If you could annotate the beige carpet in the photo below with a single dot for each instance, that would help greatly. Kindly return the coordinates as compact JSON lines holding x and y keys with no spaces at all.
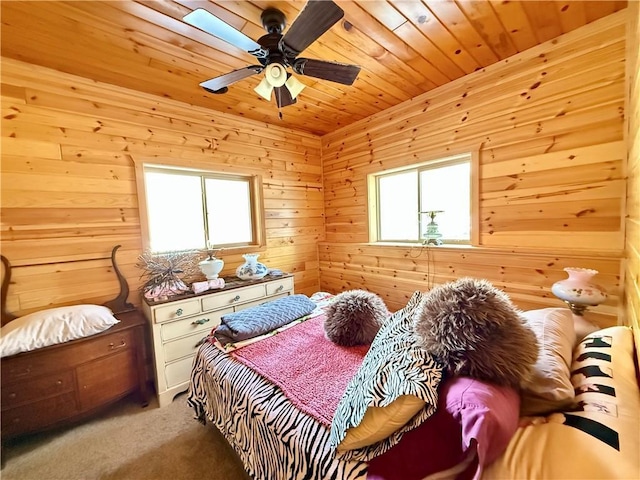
{"x":126,"y":442}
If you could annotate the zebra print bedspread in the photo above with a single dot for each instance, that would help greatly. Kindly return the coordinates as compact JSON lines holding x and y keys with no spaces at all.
{"x":274,"y":440}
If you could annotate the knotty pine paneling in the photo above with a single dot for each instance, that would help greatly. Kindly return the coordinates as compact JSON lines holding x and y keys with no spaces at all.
{"x":69,"y":192}
{"x":632,"y":264}
{"x":548,"y":124}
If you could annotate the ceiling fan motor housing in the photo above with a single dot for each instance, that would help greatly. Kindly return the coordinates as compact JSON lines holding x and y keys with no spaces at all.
{"x":270,"y":43}
{"x":273,"y":20}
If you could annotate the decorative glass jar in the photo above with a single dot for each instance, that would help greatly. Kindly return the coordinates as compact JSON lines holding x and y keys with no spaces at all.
{"x":578,"y":291}
{"x":251,"y":269}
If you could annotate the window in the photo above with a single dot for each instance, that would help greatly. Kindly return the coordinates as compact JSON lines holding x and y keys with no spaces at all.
{"x":425,"y":203}
{"x":192,"y":209}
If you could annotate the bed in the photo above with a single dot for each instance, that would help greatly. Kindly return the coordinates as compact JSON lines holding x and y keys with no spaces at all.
{"x":276,"y":399}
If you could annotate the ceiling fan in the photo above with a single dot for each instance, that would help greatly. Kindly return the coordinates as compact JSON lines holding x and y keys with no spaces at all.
{"x":277,"y":52}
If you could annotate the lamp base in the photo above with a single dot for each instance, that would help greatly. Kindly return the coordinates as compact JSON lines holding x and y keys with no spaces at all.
{"x":577,"y":309}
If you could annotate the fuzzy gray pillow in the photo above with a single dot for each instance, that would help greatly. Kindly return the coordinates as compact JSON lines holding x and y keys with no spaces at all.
{"x":474,"y":330}
{"x":354,"y":318}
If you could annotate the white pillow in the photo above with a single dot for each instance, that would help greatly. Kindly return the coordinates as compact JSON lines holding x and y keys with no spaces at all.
{"x":52,"y":326}
{"x":550,"y":387}
{"x":599,"y":437}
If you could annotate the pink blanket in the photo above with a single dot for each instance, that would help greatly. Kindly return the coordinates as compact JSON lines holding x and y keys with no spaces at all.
{"x":312,"y":371}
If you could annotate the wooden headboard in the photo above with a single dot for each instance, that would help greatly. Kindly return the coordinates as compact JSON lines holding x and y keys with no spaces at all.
{"x":117,"y":305}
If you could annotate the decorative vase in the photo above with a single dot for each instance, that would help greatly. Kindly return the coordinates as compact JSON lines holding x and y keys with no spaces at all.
{"x":578,"y":291}
{"x":211,"y":267}
{"x":251,"y":269}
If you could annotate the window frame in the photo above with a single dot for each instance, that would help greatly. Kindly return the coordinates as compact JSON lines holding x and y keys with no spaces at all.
{"x":373,"y":198}
{"x":255,"y":193}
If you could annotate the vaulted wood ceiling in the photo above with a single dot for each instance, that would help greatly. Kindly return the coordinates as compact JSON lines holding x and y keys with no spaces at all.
{"x":405,"y":48}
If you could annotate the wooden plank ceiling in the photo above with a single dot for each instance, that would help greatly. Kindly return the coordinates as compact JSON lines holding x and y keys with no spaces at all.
{"x":405,"y":48}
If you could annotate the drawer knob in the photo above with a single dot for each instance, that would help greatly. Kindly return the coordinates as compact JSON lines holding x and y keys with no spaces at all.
{"x":201,"y":321}
{"x":113,"y":346}
{"x":59,"y":382}
{"x":12,"y":395}
{"x":280,"y":288}
{"x":236,"y":298}
{"x":179,"y":312}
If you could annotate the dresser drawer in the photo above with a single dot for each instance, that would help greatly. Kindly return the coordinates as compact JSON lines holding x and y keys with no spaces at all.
{"x":178,"y":372}
{"x":176,"y":310}
{"x":279,"y":286}
{"x":26,"y":366}
{"x":37,"y":415}
{"x":103,"y":346}
{"x":50,"y":360}
{"x":107,"y":379}
{"x":200,"y":323}
{"x":37,"y":389}
{"x":233,"y":297}
{"x":182,"y":347}
{"x":259,"y":302}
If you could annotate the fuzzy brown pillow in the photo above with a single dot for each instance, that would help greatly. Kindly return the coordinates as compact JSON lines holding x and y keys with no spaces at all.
{"x":474,"y":330}
{"x":354,"y":318}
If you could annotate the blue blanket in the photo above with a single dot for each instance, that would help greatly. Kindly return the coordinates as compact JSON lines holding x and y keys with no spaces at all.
{"x":255,"y":321}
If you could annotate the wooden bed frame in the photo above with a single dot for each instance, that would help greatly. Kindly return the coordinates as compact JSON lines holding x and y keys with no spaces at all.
{"x":63,"y":383}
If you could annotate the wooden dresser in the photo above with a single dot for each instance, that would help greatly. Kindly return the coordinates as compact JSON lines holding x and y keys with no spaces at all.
{"x":55,"y":385}
{"x":179,"y":325}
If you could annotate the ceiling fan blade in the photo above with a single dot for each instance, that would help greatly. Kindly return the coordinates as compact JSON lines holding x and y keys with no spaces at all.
{"x":283,"y":96}
{"x":314,"y":19}
{"x":211,"y":24}
{"x":227,"y":79}
{"x":332,"y":71}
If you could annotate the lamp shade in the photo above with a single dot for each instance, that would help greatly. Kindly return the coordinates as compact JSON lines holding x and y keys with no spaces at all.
{"x":294,"y":86}
{"x":264,"y":89}
{"x":578,"y":291}
{"x":275,"y":74}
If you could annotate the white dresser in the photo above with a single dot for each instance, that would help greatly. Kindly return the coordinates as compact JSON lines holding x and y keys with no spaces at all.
{"x":179,"y":326}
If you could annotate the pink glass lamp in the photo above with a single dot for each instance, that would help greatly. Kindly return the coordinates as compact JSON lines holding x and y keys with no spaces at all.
{"x":577,"y":291}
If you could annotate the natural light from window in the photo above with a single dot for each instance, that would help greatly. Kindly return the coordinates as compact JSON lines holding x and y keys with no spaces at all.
{"x":237,"y":216}
{"x":173,"y":225}
{"x":398,"y":198}
{"x":190,"y":210}
{"x":405,"y":197}
{"x":447,"y":189}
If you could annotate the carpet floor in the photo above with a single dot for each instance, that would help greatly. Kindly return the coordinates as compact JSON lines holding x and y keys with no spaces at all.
{"x":126,"y":442}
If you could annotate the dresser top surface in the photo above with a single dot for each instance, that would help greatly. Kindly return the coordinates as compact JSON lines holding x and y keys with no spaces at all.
{"x":230,"y":283}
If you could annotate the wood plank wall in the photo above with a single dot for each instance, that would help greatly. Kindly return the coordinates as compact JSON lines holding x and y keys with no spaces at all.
{"x":632,"y":270}
{"x":69,"y":192}
{"x":548,"y":125}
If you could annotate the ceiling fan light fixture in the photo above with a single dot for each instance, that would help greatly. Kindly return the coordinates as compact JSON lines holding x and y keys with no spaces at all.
{"x":276,"y":74}
{"x":294,"y":86}
{"x":264,"y":89}
{"x":278,"y":51}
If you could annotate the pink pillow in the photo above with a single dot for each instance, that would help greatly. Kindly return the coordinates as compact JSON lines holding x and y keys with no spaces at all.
{"x":470,"y":412}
